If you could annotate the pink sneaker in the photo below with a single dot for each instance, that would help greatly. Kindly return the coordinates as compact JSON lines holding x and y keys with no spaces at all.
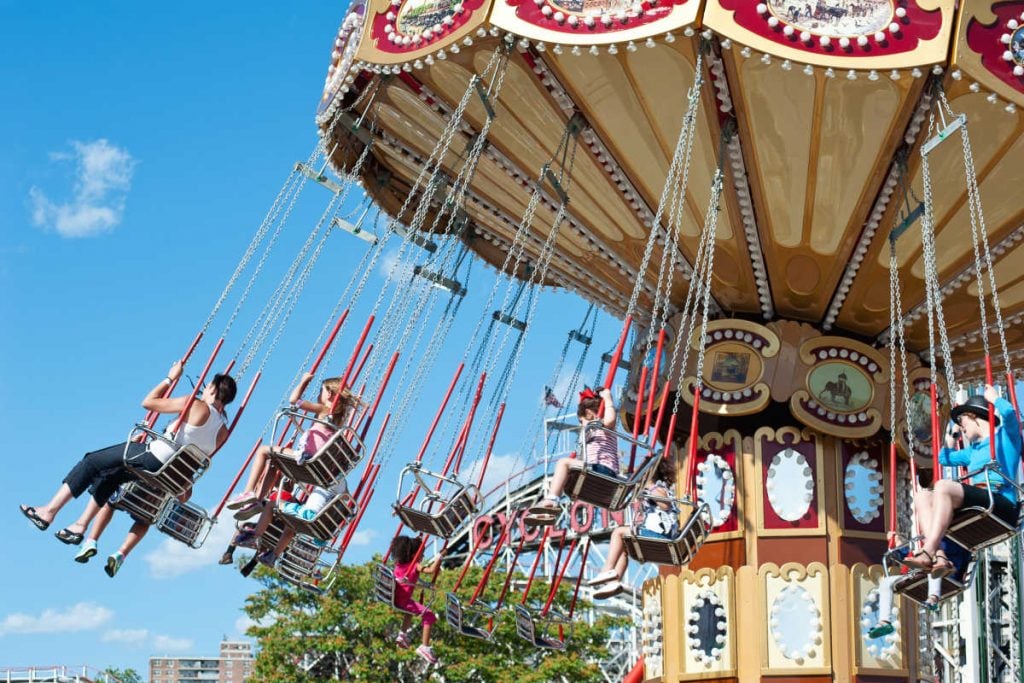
{"x":427,"y":653}
{"x":402,"y":640}
{"x":241,"y":500}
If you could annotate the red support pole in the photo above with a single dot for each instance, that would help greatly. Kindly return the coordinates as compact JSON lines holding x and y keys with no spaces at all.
{"x":1012,"y":390}
{"x":892,"y":488}
{"x":505,"y":532}
{"x":613,"y":367}
{"x":238,"y":477}
{"x":150,"y":418}
{"x":242,"y":405}
{"x":469,"y":420}
{"x":359,"y":368}
{"x":440,"y":411}
{"x":536,"y":561}
{"x":657,"y":424}
{"x":691,"y":464}
{"x":558,"y":579}
{"x":490,"y":446}
{"x":195,"y":390}
{"x":330,"y":341}
{"x":380,"y":393}
{"x":637,"y":415}
{"x":373,"y":453}
{"x":654,"y":382}
{"x":355,"y":353}
{"x":579,"y":580}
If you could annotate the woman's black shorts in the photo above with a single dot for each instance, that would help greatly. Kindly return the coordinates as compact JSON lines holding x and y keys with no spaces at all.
{"x":1002,"y":507}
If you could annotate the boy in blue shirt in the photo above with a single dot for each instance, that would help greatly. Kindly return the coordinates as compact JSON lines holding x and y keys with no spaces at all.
{"x":935,"y":508}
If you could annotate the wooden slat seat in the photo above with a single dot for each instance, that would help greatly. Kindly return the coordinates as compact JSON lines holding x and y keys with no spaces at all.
{"x":176,"y":476}
{"x":467,"y":619}
{"x":604,"y":491}
{"x":339,"y":455}
{"x":914,"y":585}
{"x":978,"y":527}
{"x":185,"y":522}
{"x":447,"y":506}
{"x":536,"y":629}
{"x":143,"y":502}
{"x":677,"y":551}
{"x":339,"y":509}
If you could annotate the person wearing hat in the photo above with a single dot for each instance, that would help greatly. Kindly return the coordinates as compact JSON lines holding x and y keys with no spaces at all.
{"x":935,"y":508}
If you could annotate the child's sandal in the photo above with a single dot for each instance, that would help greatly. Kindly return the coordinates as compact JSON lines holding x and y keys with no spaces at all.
{"x":918,"y":564}
{"x":941,"y":567}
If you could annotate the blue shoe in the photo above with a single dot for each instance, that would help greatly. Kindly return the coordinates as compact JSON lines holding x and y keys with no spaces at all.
{"x":882,"y":628}
{"x":114,"y":563}
{"x":87,"y":551}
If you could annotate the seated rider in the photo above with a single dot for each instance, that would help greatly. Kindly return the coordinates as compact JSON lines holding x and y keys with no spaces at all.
{"x":957,"y":555}
{"x":333,"y":406}
{"x":598,"y":448}
{"x":935,"y":508}
{"x":660,"y":520}
{"x":102,"y":472}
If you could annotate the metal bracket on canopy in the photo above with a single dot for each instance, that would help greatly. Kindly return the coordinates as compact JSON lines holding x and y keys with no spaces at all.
{"x":576,"y":335}
{"x":316,"y":177}
{"x":355,"y":128}
{"x":958,"y":123}
{"x":416,"y":239}
{"x":506,"y":319}
{"x":559,"y":190}
{"x":484,"y":97}
{"x":441,"y":281}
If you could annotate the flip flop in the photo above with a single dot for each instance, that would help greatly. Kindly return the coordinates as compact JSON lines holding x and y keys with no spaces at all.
{"x":917,"y":564}
{"x":69,"y":537}
{"x":30,"y":512}
{"x":541,"y":509}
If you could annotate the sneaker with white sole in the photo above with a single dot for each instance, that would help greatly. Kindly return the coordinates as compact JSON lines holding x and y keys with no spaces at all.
{"x":427,"y":653}
{"x":241,"y":500}
{"x":604,"y":577}
{"x":114,"y":563}
{"x":402,"y":640}
{"x":609,"y":590}
{"x":249,"y":511}
{"x":87,"y":551}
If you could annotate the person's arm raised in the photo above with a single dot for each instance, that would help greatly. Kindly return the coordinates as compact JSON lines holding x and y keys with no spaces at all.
{"x":155,"y":399}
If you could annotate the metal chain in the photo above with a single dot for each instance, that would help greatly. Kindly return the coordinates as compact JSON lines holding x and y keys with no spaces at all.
{"x":713,"y":210}
{"x":689,"y":119}
{"x":898,"y":329}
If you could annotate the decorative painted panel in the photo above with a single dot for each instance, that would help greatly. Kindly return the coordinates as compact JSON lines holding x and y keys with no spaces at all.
{"x":709,"y":616}
{"x":790,"y":482}
{"x":589,"y":22}
{"x":883,"y":655}
{"x":402,"y":30}
{"x":845,"y":388}
{"x":862,"y":488}
{"x":719,"y":482}
{"x":797,"y":633}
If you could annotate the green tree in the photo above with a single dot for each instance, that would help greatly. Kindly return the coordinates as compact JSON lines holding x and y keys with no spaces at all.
{"x":351,"y":636}
{"x":115,"y":675}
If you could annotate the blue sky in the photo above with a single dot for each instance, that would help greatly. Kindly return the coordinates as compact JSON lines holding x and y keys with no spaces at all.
{"x":142,"y":146}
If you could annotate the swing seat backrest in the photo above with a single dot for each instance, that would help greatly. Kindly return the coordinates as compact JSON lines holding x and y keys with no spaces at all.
{"x":676,"y":551}
{"x":527,"y":629}
{"x":270,"y":538}
{"x":176,"y":476}
{"x":603,"y":491}
{"x":185,"y":522}
{"x":445,"y":521}
{"x":458,"y":617}
{"x":338,"y":510}
{"x":339,"y":455}
{"x":143,"y":502}
{"x":300,"y":558}
{"x":385,"y":588}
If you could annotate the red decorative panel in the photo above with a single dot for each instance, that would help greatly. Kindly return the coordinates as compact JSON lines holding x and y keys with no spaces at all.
{"x":1001,"y":43}
{"x":722,"y":498}
{"x":862,"y":493}
{"x":592,"y":17}
{"x":808,"y":451}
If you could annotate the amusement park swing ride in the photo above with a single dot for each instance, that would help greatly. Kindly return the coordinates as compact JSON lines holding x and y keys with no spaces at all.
{"x":782,"y":201}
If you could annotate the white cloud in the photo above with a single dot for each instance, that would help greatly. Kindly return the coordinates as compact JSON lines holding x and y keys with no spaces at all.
{"x":83,"y":616}
{"x":167,"y":644}
{"x":126,"y":636}
{"x":243,"y":624}
{"x":500,"y":468}
{"x":362,"y":537}
{"x":393,"y":266}
{"x":171,"y":558}
{"x":103,"y":176}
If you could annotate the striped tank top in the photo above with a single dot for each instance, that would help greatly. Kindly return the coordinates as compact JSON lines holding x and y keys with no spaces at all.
{"x":601,"y":448}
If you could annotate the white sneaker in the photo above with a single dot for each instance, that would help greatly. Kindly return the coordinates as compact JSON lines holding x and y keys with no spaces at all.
{"x":87,"y":551}
{"x":427,"y":653}
{"x":604,"y":577}
{"x":609,"y":590}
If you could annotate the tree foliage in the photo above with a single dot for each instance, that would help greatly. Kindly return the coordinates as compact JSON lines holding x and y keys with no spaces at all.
{"x":347,"y":635}
{"x":122,"y":675}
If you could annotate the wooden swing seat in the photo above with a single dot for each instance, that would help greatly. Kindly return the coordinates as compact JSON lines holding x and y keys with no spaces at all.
{"x":456,"y":506}
{"x":914,"y":585}
{"x":143,"y":502}
{"x":604,"y":491}
{"x":339,"y":509}
{"x":533,"y":628}
{"x":676,"y":551}
{"x":977,"y":527}
{"x":385,"y":586}
{"x":176,"y":476}
{"x":460,"y":616}
{"x":339,"y":455}
{"x":185,"y":522}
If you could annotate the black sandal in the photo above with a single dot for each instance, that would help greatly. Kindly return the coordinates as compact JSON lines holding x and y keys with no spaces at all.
{"x":915,"y":564}
{"x":69,"y":537}
{"x":30,"y":512}
{"x":942,"y":566}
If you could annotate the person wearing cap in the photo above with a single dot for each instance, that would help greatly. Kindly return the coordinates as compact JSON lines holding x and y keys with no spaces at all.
{"x":102,"y":472}
{"x":935,"y":508}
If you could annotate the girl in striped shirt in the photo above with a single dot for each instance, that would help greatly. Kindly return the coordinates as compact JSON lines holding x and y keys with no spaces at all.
{"x":598,"y":450}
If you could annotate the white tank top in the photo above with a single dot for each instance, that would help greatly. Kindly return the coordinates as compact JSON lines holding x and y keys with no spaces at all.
{"x":204,"y":436}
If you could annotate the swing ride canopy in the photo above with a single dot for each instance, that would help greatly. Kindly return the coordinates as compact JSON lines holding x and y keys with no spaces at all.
{"x":818,"y":109}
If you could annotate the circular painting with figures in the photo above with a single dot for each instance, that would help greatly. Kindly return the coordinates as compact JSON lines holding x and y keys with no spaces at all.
{"x":840,"y":386}
{"x":834,"y":18}
{"x":1017,"y":46}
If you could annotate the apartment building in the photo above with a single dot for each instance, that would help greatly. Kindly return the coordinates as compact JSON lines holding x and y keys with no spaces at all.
{"x":234,"y":665}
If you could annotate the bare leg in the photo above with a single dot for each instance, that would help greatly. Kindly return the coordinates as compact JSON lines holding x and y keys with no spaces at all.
{"x":268,"y":483}
{"x":59,"y":500}
{"x":561,"y":475}
{"x":286,"y":537}
{"x":99,"y":524}
{"x":923,"y":508}
{"x":617,"y":552}
{"x":258,"y":468}
{"x":406,"y":622}
{"x":135,"y":534}
{"x":264,"y":520}
{"x":92,"y":508}
{"x":426,"y":633}
{"x":946,"y":496}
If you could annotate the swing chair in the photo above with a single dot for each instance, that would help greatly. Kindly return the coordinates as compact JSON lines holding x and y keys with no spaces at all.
{"x":603,"y":490}
{"x":680,"y":549}
{"x":301,"y":564}
{"x":973,"y":527}
{"x":543,"y":626}
{"x":385,"y":589}
{"x":186,"y":522}
{"x":914,"y":583}
{"x":177,"y":475}
{"x":456,"y":502}
{"x":325,"y":524}
{"x":142,"y":502}
{"x":474,"y":620}
{"x":334,"y":460}
{"x":540,"y":631}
